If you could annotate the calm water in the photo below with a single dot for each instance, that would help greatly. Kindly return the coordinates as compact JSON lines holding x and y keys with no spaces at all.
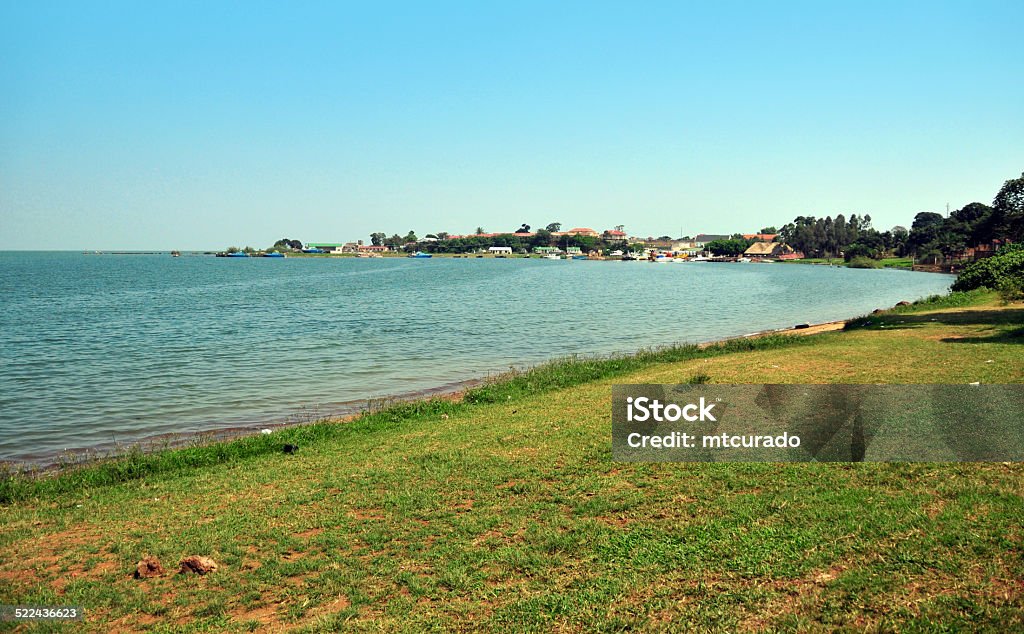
{"x":116,"y":348}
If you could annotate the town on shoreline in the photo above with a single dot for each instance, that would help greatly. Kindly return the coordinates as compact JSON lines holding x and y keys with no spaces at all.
{"x":933,"y":242}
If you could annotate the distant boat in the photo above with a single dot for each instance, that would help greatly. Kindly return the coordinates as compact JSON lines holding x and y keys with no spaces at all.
{"x":579,"y":257}
{"x":175,"y":254}
{"x":420,"y":254}
{"x":238,"y":254}
{"x":273,"y":254}
{"x":552,"y":256}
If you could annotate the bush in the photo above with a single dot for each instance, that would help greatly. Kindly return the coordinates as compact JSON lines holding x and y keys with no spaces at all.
{"x":1011,"y":289}
{"x":1006,"y":264}
{"x":864,"y":263}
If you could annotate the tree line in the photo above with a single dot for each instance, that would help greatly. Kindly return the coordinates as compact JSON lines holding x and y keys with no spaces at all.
{"x":443,"y":242}
{"x":930,"y":235}
{"x":975,"y":224}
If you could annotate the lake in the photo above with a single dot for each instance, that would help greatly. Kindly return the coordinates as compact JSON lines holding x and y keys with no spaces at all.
{"x":97,"y":350}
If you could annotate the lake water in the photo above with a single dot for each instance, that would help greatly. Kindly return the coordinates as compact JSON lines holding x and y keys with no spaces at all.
{"x":102,"y":349}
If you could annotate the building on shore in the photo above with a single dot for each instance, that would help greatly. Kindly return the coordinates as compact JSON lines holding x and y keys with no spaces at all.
{"x":327,"y":247}
{"x":772,"y":250}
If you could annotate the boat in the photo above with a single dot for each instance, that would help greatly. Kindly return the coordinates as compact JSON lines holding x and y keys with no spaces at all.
{"x":420,"y":254}
{"x":273,"y":254}
{"x":175,"y":254}
{"x":238,"y":254}
{"x":743,"y":260}
{"x":579,"y":257}
{"x":552,"y":256}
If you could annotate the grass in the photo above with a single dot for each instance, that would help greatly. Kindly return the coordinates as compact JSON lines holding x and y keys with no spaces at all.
{"x":506,"y":512}
{"x":888,"y":263}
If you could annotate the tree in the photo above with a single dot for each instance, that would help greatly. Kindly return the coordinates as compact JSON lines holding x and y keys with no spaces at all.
{"x":896,"y":240}
{"x":1008,"y":209}
{"x":769,"y":229}
{"x":287,"y":243}
{"x":377,"y":239}
{"x":731,"y":247}
{"x":442,"y":235}
{"x":541,"y":239}
{"x":524,"y":228}
{"x":554,"y":227}
{"x":479,"y":231}
{"x":924,"y":233}
{"x":411,"y":237}
{"x":972,"y":224}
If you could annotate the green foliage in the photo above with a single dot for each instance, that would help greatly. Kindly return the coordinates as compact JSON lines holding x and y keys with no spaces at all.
{"x":1007,"y":263}
{"x":862,"y":262}
{"x":826,"y":237}
{"x":1009,"y":209}
{"x":729,"y":248}
{"x":287,"y":244}
{"x":1011,"y":289}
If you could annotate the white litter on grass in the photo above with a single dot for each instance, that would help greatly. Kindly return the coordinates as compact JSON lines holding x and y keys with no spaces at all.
{"x":266,"y":431}
{"x":976,"y":383}
{"x":990,"y":361}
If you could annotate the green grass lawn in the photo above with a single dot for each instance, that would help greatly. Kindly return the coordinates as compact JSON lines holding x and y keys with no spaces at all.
{"x":505,"y":512}
{"x":894,"y":263}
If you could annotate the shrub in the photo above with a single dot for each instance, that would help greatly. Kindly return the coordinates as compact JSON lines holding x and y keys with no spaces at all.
{"x":1011,"y":289}
{"x":864,"y":263}
{"x":1007,"y":263}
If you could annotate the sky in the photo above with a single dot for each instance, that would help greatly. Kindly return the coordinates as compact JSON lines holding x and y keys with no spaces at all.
{"x":178,"y":125}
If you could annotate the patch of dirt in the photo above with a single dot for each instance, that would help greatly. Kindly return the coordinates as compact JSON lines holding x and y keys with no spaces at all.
{"x":463,"y":505}
{"x":617,"y":521}
{"x":307,"y":534}
{"x":265,"y":615}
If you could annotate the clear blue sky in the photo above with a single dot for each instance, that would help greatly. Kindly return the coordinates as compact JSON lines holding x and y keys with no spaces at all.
{"x":202,"y":125}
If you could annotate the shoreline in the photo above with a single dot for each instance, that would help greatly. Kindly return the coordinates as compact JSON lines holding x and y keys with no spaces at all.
{"x":44,"y":464}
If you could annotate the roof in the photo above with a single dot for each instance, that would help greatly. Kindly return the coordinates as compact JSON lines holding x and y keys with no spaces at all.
{"x":761,"y":248}
{"x":768,"y":248}
{"x":313,"y":245}
{"x":763,"y":237}
{"x":581,"y":230}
